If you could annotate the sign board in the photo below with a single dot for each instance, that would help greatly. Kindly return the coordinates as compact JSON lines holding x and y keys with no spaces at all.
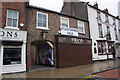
{"x":69,"y":31}
{"x":72,"y":40}
{"x":13,"y":35}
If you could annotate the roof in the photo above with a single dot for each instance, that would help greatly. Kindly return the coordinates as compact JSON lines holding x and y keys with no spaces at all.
{"x":39,"y":8}
{"x":103,"y":11}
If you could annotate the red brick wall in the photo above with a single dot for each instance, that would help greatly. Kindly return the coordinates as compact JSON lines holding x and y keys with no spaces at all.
{"x":19,"y":6}
{"x":53,"y":25}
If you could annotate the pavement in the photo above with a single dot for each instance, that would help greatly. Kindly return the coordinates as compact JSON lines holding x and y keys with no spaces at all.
{"x":79,"y":72}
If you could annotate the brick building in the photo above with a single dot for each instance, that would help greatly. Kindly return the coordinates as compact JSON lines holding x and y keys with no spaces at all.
{"x":32,"y":36}
{"x":104,"y":28}
{"x":56,"y":39}
{"x":13,"y":37}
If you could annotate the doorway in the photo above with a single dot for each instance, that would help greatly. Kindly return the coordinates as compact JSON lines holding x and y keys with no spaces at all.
{"x":45,"y":55}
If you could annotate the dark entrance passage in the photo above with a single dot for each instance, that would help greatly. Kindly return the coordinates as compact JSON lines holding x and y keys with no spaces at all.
{"x":45,"y":55}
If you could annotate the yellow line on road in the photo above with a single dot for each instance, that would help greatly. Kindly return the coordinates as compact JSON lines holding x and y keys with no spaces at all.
{"x":91,"y":76}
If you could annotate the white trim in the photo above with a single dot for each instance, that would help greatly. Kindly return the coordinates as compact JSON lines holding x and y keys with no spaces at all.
{"x":11,"y":27}
{"x":61,"y":21}
{"x":41,"y":27}
{"x":38,"y":27}
{"x":8,"y":27}
{"x":83,"y":27}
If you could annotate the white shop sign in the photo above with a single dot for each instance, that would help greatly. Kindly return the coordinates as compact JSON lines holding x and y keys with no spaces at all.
{"x":69,"y":31}
{"x":14,"y":35}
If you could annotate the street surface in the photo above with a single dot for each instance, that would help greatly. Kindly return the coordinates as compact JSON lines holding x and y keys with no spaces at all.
{"x":80,"y":71}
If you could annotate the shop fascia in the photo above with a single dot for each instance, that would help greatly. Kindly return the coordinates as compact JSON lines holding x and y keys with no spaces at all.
{"x":7,"y":34}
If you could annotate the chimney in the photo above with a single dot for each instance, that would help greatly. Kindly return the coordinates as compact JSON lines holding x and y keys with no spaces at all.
{"x":67,"y":7}
{"x":117,"y":17}
{"x":95,"y":5}
{"x":105,"y":10}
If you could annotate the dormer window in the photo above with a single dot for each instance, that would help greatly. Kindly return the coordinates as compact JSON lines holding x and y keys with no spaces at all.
{"x":12,"y":19}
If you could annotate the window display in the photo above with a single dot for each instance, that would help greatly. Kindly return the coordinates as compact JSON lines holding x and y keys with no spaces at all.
{"x":12,"y":55}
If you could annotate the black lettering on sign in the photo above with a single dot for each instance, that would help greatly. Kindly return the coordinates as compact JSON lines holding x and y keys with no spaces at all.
{"x":9,"y":34}
{"x":15,"y":34}
{"x":2,"y":33}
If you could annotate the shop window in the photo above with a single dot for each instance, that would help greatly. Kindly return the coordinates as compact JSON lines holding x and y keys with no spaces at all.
{"x":100,"y":30}
{"x":110,"y":48}
{"x":42,"y":20}
{"x":12,"y":55}
{"x":64,"y":22}
{"x":101,"y":48}
{"x":12,"y":18}
{"x":81,"y":27}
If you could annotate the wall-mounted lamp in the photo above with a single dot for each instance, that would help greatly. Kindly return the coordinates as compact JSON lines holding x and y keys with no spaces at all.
{"x":21,"y":24}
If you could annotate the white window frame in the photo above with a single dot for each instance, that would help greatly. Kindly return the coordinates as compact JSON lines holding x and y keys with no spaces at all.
{"x":100,"y":30}
{"x":11,"y":27}
{"x":98,"y":15}
{"x":83,"y":27}
{"x":41,"y":27}
{"x":61,"y":21}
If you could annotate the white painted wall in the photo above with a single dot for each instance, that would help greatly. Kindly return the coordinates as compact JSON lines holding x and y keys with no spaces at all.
{"x":118,"y":50}
{"x":92,"y":14}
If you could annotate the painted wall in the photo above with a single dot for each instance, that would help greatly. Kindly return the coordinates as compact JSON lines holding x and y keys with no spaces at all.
{"x":92,"y":13}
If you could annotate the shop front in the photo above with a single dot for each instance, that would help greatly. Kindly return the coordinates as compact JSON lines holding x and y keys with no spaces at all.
{"x":72,"y":51}
{"x":106,"y":50}
{"x":13,"y":50}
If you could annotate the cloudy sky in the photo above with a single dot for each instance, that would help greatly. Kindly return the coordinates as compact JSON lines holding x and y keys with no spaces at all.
{"x":56,"y":5}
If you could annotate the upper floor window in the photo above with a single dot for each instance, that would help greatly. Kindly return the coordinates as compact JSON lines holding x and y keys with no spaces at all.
{"x":12,"y":18}
{"x":115,"y":30}
{"x":98,"y":15}
{"x":108,"y":35}
{"x":114,"y":21}
{"x":42,"y":20}
{"x":81,"y":28}
{"x":64,"y":22}
{"x":106,"y":19}
{"x":100,"y":30}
